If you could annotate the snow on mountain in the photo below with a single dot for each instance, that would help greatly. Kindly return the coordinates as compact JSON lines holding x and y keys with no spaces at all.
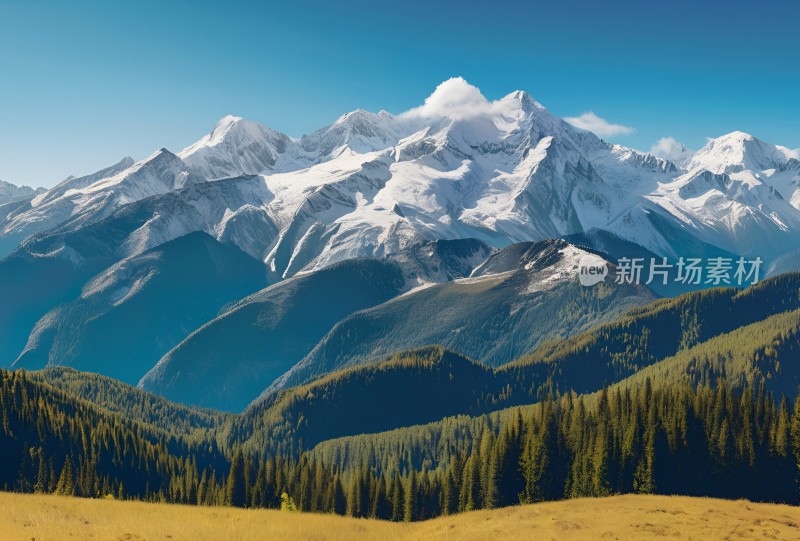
{"x":10,"y":192}
{"x":381,"y":191}
{"x":78,"y":202}
{"x":359,"y":131}
{"x":458,"y":166}
{"x":739,"y":151}
{"x":739,"y":193}
{"x":753,"y":162}
{"x":77,"y":183}
{"x":235,"y":147}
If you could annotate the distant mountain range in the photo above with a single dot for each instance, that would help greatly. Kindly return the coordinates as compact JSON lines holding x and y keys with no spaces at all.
{"x":250,"y":261}
{"x":9,"y":193}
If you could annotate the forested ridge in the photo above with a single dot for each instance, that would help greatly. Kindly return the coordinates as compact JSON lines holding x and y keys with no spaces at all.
{"x":644,"y":438}
{"x":765,"y":353}
{"x":444,"y":383}
{"x":430,"y":432}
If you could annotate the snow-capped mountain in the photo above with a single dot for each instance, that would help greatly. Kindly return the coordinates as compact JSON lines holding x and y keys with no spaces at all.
{"x":78,"y":202}
{"x":740,"y":194}
{"x":748,"y":160}
{"x":10,"y":192}
{"x":739,"y":151}
{"x":459,"y":166}
{"x":406,"y":204}
{"x":235,"y":147}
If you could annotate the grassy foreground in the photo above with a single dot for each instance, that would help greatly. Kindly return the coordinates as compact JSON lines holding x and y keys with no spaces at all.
{"x":41,"y":518}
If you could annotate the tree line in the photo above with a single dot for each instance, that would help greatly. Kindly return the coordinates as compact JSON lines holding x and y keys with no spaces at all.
{"x":670,"y":439}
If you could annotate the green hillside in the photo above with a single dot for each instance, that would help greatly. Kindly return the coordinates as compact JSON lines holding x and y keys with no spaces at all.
{"x":646,"y":335}
{"x":763,"y":357}
{"x":131,"y":403}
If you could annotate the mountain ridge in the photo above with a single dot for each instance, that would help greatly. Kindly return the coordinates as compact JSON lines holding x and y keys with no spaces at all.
{"x":504,"y":171}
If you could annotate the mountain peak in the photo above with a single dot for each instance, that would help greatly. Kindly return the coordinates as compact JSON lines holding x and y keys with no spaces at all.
{"x":160,"y":154}
{"x":11,"y":192}
{"x":738,"y":151}
{"x":228,"y":119}
{"x":736,"y":136}
{"x":235,"y":126}
{"x":361,"y":130}
{"x":221,"y":129}
{"x":234,"y":147}
{"x":360,"y":119}
{"x":525,"y":100}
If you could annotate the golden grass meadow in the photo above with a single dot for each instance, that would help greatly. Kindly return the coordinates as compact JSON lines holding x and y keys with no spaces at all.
{"x":630,"y":517}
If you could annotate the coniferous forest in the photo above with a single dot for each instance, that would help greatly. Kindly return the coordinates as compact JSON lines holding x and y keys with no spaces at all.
{"x":677,"y":398}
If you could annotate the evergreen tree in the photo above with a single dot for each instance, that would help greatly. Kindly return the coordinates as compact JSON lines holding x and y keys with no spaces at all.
{"x":411,"y":498}
{"x":398,"y":499}
{"x":65,"y":485}
{"x":42,"y":481}
{"x":339,"y":502}
{"x":236,"y":491}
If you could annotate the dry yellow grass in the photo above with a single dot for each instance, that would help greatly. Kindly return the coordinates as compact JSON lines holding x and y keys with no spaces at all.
{"x":42,"y":518}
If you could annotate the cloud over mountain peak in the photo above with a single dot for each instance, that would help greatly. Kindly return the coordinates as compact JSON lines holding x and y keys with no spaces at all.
{"x":454,"y":98}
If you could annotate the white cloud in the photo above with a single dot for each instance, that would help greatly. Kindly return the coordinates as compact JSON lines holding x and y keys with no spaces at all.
{"x":666,"y":146}
{"x":457,"y":99}
{"x":673,"y":150}
{"x":454,"y":98}
{"x":597,"y":125}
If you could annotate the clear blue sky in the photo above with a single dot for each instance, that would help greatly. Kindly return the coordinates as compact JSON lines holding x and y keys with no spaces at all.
{"x":83,"y":84}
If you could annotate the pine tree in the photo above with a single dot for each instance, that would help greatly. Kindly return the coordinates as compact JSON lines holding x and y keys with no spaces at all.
{"x":41,"y":476}
{"x":236,"y":492}
{"x":449,"y":494}
{"x":490,"y":494}
{"x":412,"y":496}
{"x":470,"y":494}
{"x":782,"y":435}
{"x":381,"y":507}
{"x":353,"y":495}
{"x":534,"y":462}
{"x":339,"y":503}
{"x":258,"y":493}
{"x":66,"y":485}
{"x":398,"y":498}
{"x":644,"y":480}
